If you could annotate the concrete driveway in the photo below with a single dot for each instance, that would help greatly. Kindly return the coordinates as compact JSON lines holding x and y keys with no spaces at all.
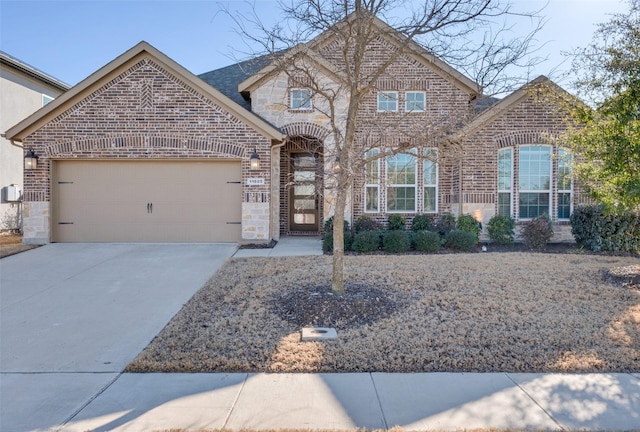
{"x":74,"y":315}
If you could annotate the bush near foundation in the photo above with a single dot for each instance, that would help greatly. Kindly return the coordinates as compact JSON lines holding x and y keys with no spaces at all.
{"x":366,"y":241}
{"x":423,"y":222}
{"x":396,"y":241}
{"x":595,"y":228}
{"x":460,"y":240}
{"x":537,"y":232}
{"x":501,"y":229}
{"x":446,"y":223}
{"x":427,"y":241}
{"x":468,"y":223}
{"x":397,"y":222}
{"x":366,"y":223}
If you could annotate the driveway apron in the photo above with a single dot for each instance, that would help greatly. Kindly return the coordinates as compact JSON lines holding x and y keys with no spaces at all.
{"x":78,"y":313}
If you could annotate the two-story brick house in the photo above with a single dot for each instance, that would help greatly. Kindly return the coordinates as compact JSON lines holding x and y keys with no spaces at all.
{"x":143,"y":150}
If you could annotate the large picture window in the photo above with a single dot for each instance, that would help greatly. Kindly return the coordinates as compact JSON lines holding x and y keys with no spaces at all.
{"x":430,"y":180}
{"x":534,"y":181}
{"x":372,"y":182}
{"x":401,"y":183}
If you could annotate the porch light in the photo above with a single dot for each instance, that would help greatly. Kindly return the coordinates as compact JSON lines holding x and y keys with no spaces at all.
{"x":30,"y":160}
{"x":254,"y":160}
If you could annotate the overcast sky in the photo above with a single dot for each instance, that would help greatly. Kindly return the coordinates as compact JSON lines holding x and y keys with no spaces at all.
{"x":72,"y":39}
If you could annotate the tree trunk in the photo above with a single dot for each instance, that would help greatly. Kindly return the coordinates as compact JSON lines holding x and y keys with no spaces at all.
{"x":337,"y":279}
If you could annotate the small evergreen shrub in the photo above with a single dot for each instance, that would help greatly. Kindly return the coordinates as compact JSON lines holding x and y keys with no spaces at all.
{"x":427,"y":241}
{"x":501,"y":229}
{"x":446,"y":223}
{"x":593,"y":227}
{"x":468,"y":223}
{"x":460,"y":240}
{"x":397,"y":222}
{"x":422,"y":222}
{"x":537,"y":232}
{"x":396,"y":241}
{"x":366,"y":223}
{"x":366,"y":241}
{"x":328,"y":225}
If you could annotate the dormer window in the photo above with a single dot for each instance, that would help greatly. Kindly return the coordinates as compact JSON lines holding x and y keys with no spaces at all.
{"x":300,"y":99}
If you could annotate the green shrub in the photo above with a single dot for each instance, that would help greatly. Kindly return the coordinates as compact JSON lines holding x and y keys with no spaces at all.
{"x":460,"y":240}
{"x":327,"y":237}
{"x":396,"y":241}
{"x":501,"y":229}
{"x":537,"y":232}
{"x":422,"y":222}
{"x":397,"y":222}
{"x":468,"y":223}
{"x":427,"y":241}
{"x":446,"y":223}
{"x":366,"y":241}
{"x":366,"y":223}
{"x":596,"y":229}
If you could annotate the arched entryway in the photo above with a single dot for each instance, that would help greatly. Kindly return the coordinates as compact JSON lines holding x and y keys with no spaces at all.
{"x":301,"y":186}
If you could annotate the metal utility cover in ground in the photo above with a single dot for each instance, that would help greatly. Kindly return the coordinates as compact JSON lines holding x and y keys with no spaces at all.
{"x":318,"y":334}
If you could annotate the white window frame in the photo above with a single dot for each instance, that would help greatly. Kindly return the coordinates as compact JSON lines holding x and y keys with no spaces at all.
{"x":386,"y":97}
{"x":511,"y":180}
{"x":406,"y":102}
{"x":551,"y":179}
{"x":564,"y":153}
{"x":368,"y":154}
{"x":305,"y":107}
{"x":425,"y":185}
{"x":402,"y":185}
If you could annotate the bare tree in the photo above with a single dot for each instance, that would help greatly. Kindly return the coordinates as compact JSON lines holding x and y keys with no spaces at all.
{"x":461,"y":32}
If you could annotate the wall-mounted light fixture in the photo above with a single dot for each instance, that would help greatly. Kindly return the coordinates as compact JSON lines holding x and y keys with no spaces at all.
{"x":30,"y":160}
{"x":254,"y":160}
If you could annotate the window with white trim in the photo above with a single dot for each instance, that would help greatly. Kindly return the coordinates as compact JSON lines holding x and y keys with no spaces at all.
{"x":430,"y":180}
{"x":415,"y":101}
{"x":388,"y":101}
{"x":372,"y":182}
{"x":534,"y":181}
{"x":300,"y":99}
{"x":401,"y":183}
{"x":505,"y":181}
{"x":565,"y":184}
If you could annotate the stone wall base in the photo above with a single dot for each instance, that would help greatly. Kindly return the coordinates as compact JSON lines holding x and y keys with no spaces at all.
{"x":255,"y":222}
{"x":36,"y":223}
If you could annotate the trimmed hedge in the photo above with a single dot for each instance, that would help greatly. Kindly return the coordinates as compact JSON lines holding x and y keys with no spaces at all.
{"x":537,"y":232}
{"x":446,"y":223}
{"x":460,"y":240}
{"x":397,"y":222}
{"x":427,"y":241}
{"x":396,"y":241}
{"x":327,"y":237}
{"x":366,"y":241}
{"x":501,"y":229}
{"x":366,"y":223}
{"x":468,"y":223}
{"x":598,"y":230}
{"x":423,"y":222}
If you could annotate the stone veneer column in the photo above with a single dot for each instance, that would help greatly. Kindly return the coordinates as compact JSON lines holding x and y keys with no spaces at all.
{"x":255,"y":222}
{"x":36,"y":222}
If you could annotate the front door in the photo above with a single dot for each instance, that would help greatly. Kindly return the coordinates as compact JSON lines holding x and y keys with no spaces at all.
{"x":303,"y":195}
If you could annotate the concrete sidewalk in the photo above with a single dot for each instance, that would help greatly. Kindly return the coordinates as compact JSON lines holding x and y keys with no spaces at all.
{"x":423,"y":401}
{"x":286,"y":246}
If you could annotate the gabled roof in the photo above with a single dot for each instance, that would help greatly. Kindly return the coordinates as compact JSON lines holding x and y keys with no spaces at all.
{"x":121,"y":64}
{"x":428,"y":59}
{"x":33,"y":72}
{"x":505,"y":104}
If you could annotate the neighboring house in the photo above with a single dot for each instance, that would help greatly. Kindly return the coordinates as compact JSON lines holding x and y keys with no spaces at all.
{"x":23,"y":90}
{"x":143,"y":150}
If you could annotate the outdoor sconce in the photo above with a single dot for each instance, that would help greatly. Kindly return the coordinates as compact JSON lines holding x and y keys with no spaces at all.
{"x":254,"y":160}
{"x":30,"y":160}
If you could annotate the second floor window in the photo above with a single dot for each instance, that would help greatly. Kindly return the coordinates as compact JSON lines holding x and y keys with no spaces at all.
{"x":301,"y":99}
{"x":415,"y":101}
{"x":388,"y":101}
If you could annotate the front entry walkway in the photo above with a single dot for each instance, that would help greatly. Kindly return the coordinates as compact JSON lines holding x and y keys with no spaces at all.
{"x":287,"y":246}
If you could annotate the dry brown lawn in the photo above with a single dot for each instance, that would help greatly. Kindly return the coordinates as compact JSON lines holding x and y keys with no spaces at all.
{"x":513,"y":311}
{"x":11,"y":244}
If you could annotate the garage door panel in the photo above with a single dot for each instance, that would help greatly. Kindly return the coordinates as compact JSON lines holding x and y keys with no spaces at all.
{"x":161,"y":201}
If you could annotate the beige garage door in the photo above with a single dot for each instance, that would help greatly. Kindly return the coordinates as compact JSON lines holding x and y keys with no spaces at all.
{"x":163,"y":201}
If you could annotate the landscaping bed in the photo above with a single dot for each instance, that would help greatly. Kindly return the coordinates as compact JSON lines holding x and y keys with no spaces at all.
{"x":480,"y":312}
